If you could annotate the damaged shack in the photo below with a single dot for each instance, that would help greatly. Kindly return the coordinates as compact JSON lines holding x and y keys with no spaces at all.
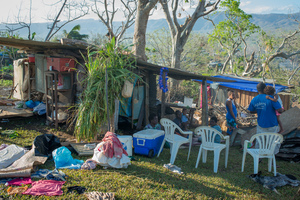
{"x":52,"y":74}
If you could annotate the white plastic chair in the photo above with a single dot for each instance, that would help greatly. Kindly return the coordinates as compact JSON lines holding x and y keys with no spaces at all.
{"x":175,"y":140}
{"x":208,"y":135}
{"x":267,"y":143}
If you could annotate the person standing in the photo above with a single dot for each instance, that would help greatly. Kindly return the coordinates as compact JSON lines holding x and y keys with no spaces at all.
{"x":231,"y":112}
{"x":265,"y":109}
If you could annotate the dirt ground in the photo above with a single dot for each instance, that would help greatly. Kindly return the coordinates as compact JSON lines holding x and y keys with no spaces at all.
{"x":38,"y":123}
{"x":4,"y":92}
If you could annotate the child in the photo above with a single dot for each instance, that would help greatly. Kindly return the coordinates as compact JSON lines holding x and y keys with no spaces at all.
{"x":271,"y":95}
{"x":231,"y":112}
{"x":153,"y":119}
{"x":184,"y":119}
{"x":213,"y":123}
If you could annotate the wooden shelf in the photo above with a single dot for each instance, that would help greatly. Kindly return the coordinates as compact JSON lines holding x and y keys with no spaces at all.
{"x":53,"y":94}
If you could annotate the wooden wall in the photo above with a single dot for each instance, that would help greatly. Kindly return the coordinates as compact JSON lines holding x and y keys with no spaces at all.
{"x":244,"y":97}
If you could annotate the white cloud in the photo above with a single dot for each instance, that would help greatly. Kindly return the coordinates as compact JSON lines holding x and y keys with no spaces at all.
{"x":259,"y":10}
{"x":245,"y":3}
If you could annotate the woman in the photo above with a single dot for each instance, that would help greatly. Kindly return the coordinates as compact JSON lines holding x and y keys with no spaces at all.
{"x":231,"y":112}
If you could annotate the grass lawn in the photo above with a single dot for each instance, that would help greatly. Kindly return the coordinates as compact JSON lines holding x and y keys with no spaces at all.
{"x":146,"y":178}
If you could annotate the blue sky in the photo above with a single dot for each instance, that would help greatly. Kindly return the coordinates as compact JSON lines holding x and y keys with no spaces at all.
{"x":9,"y":9}
{"x":270,"y":6}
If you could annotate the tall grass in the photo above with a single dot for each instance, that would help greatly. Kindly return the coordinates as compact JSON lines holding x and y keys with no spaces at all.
{"x":92,"y":110}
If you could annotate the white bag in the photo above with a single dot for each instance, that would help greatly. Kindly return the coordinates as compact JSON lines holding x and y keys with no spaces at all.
{"x":127,"y":89}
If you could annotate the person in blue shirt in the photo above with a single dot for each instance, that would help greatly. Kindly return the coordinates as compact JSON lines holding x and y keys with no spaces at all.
{"x":265,"y":109}
{"x":184,"y":119}
{"x":231,"y":112}
{"x":213,"y":123}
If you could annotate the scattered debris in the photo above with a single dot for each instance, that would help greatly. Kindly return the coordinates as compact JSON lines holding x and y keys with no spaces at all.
{"x":276,"y":181}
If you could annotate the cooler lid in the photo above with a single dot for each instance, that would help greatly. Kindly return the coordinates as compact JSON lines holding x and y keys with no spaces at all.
{"x":149,"y":134}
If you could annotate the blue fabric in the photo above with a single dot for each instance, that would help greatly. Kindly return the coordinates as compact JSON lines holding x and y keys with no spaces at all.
{"x":218,"y":137}
{"x":184,"y":118}
{"x":241,"y":84}
{"x":228,"y":115}
{"x":265,"y":108}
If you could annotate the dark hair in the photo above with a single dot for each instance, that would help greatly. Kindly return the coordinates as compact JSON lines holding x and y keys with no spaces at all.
{"x":176,"y":112}
{"x":260,"y":87}
{"x":215,"y":119}
{"x":269,"y":90}
{"x":229,"y":92}
{"x":183,"y":109}
{"x":152,"y":116}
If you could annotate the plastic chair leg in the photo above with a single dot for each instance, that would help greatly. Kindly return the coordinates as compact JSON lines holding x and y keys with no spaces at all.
{"x":161,"y":147}
{"x":174,"y":153}
{"x":190,"y":146}
{"x":199,"y":155}
{"x":269,"y":164}
{"x":226,"y":156}
{"x":244,"y":158}
{"x":256,"y":161}
{"x":204,"y":158}
{"x":216,"y":160}
{"x":274,"y":166}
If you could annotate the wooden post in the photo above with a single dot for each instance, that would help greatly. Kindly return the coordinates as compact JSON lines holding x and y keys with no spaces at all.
{"x":147,"y":98}
{"x":163,"y":96}
{"x":204,"y":104}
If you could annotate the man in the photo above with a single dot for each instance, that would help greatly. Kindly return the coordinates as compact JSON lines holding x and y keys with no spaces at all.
{"x":265,"y":109}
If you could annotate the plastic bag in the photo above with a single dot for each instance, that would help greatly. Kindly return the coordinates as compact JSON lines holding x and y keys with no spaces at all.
{"x":63,"y":159}
{"x":20,"y":105}
{"x":40,"y":109}
{"x":127,"y":89}
{"x":32,"y":104}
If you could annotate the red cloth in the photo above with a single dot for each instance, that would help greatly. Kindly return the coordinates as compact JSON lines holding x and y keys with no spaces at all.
{"x":112,"y":146}
{"x":20,"y":181}
{"x":45,"y":187}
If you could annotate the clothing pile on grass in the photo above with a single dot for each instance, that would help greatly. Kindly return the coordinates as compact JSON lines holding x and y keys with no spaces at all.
{"x":17,"y":165}
{"x":110,"y":152}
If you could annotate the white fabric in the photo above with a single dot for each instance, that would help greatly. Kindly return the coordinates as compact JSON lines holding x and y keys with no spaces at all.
{"x":114,"y":162}
{"x":10,"y":154}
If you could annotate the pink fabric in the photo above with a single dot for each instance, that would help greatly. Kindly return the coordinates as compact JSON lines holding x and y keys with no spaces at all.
{"x":277,"y":113}
{"x":20,"y":181}
{"x":112,"y":146}
{"x":45,"y":187}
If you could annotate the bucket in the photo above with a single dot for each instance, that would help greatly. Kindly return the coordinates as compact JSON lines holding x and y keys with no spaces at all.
{"x":126,"y":141}
{"x":31,"y":58}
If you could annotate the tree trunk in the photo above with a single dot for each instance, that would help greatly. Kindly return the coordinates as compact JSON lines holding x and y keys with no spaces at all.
{"x":225,"y":64}
{"x":140,"y":27}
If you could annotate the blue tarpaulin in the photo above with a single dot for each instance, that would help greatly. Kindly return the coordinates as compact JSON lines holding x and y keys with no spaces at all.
{"x":242,"y":84}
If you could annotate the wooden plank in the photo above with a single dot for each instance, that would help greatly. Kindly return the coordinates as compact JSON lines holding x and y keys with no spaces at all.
{"x":147,"y":98}
{"x":82,"y":150}
{"x":204,"y":104}
{"x":163,"y":96}
{"x":9,"y":111}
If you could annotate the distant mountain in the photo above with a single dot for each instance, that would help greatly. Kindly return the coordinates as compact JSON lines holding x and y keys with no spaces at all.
{"x":269,"y":23}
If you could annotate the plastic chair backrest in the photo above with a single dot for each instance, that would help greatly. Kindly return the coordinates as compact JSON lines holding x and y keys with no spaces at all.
{"x":208,"y":135}
{"x":267,"y":142}
{"x":169,"y":127}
